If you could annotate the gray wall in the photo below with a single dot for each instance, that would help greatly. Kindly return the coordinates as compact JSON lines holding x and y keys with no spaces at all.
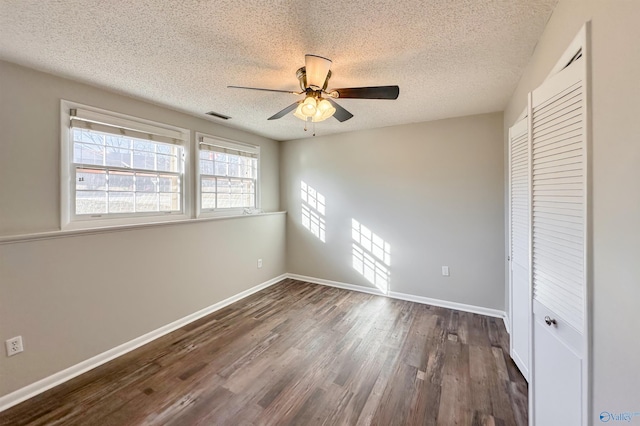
{"x":616,"y":184}
{"x":74,"y":297}
{"x":433,"y":191}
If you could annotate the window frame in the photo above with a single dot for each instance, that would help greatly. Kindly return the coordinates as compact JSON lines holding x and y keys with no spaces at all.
{"x":233,"y":145}
{"x":69,"y":219}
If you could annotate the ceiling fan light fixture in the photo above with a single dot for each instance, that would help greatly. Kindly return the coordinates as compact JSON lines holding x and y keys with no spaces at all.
{"x":314,"y":78}
{"x":309,"y":107}
{"x":298,"y":112}
{"x":324,"y":105}
{"x":316,"y":68}
{"x":324,"y":111}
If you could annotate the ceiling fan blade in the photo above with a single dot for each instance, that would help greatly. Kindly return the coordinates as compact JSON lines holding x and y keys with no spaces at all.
{"x":284,"y":112}
{"x":264,"y":90}
{"x":377,"y":92}
{"x":341,"y":114}
{"x":317,"y":69}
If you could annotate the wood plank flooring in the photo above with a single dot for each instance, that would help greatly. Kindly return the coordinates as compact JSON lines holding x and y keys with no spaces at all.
{"x":302,"y":354}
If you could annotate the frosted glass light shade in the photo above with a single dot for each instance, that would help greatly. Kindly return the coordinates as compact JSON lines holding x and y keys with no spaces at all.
{"x":324,"y":111}
{"x":298,"y":112}
{"x":309,"y":107}
{"x":316,"y":68}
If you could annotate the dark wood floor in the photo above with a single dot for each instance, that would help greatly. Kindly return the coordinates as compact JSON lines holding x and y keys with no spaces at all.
{"x":303,"y":354}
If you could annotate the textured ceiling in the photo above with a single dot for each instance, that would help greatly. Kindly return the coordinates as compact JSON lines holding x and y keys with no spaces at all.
{"x":449,"y":57}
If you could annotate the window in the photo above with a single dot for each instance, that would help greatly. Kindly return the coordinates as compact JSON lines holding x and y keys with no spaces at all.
{"x":121,"y":171}
{"x":228,"y":176}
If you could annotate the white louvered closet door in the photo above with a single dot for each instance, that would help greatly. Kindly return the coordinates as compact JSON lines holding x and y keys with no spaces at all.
{"x":559,"y":201}
{"x":519,"y":227}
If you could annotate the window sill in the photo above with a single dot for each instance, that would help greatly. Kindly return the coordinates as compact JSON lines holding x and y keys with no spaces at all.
{"x":89,"y":231}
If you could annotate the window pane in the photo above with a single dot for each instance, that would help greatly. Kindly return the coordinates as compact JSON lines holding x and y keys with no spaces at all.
{"x":248,"y":200}
{"x":118,"y":157}
{"x":81,"y":135}
{"x":248,"y":186}
{"x":234,"y":170}
{"x":252,"y":167}
{"x":245,"y":162}
{"x":140,"y":145}
{"x":121,"y":202}
{"x":224,"y":185}
{"x":224,"y":201}
{"x":117,"y":142}
{"x":91,"y":202}
{"x":234,"y":165}
{"x":144,"y":160}
{"x":167,"y":163}
{"x":146,"y":182}
{"x":88,"y":154}
{"x":208,"y":201}
{"x":206,"y":155}
{"x":221,"y":169}
{"x":146,"y":202}
{"x":91,"y":180}
{"x":244,"y":171}
{"x":169,"y":202}
{"x":120,"y":181}
{"x":165,"y":149}
{"x":208,"y":184}
{"x":169,"y":183}
{"x":206,"y":167}
{"x":236,"y":200}
{"x":235,"y":186}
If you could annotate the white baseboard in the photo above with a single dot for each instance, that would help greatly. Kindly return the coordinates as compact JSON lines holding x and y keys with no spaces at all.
{"x":337,"y":284}
{"x":47,"y":383}
{"x":403,"y":296}
{"x":60,"y":377}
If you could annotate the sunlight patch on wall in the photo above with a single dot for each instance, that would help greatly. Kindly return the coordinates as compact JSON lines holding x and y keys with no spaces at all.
{"x":371,"y":256}
{"x":313,"y":210}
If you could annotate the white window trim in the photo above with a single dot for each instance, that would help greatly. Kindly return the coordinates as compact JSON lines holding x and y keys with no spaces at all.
{"x":231,"y":144}
{"x":68,"y":219}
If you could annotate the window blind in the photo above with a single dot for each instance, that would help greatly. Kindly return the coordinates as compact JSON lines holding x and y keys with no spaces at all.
{"x":227,"y":147}
{"x":92,"y":120}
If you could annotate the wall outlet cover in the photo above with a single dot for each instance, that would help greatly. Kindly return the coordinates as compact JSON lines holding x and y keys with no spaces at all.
{"x":14,"y":345}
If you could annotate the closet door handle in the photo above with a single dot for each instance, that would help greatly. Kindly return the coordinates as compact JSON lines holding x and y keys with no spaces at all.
{"x":550,"y":321}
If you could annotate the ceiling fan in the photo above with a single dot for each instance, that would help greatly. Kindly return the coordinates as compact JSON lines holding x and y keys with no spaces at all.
{"x":313,"y":78}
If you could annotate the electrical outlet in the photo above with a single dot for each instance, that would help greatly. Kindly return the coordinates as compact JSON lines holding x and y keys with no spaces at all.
{"x":14,"y":345}
{"x":259,"y":263}
{"x":445,"y":271}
